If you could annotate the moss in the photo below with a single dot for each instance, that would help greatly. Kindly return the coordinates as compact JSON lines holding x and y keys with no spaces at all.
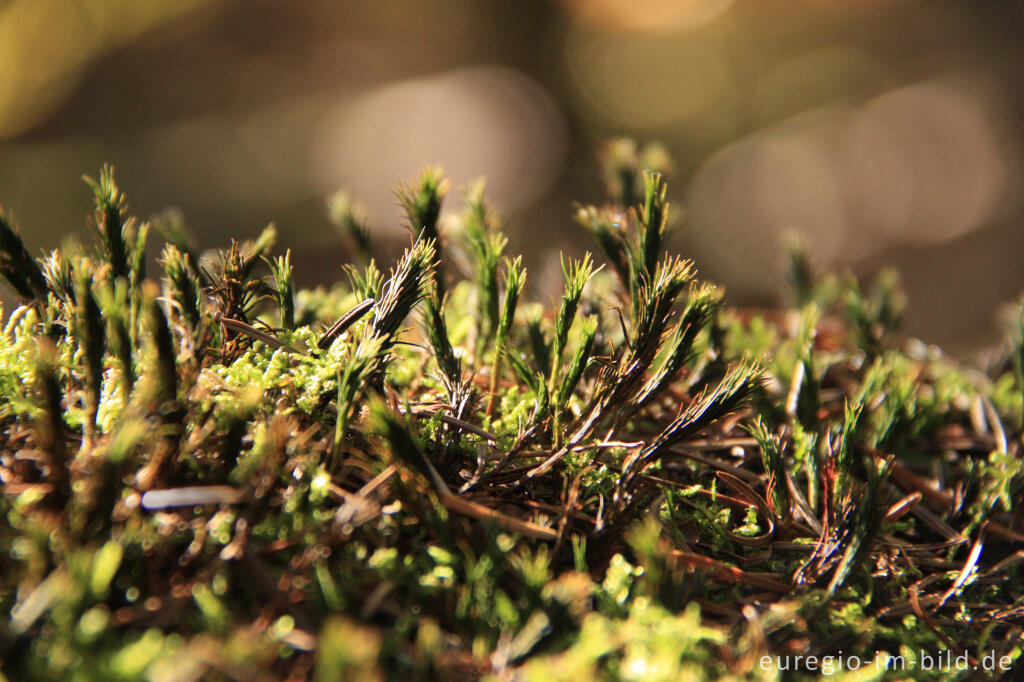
{"x":418,"y":476}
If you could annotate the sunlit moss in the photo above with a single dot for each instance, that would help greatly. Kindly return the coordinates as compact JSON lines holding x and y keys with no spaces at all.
{"x":529,"y":491}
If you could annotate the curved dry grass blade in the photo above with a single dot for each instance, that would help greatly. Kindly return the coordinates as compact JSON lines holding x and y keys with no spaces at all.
{"x":724,"y":572}
{"x":546,"y":465}
{"x":266,"y":337}
{"x":452,"y":421}
{"x":897,"y":510}
{"x":751,"y":497}
{"x":996,"y":423}
{"x":716,"y":465}
{"x":915,"y":602}
{"x":483,"y":513}
{"x":967,"y":571}
{"x":344,"y":322}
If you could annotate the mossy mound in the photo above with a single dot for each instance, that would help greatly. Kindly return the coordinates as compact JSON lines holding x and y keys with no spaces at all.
{"x":420,"y":476}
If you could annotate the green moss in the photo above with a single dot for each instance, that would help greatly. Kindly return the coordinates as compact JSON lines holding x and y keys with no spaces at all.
{"x":411,"y":476}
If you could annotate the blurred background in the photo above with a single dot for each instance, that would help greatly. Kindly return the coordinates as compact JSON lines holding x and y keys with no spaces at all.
{"x":885,"y":131}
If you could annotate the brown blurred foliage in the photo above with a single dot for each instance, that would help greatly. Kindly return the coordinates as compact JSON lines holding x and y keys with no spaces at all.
{"x":885,"y":131}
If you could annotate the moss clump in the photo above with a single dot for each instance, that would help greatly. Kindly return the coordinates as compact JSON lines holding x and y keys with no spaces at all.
{"x":417,"y":476}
